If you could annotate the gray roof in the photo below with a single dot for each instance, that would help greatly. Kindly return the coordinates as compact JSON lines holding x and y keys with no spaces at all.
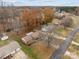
{"x":30,"y":38}
{"x":7,"y":49}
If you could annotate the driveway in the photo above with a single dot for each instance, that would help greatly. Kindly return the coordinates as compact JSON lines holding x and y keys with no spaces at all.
{"x":20,"y":55}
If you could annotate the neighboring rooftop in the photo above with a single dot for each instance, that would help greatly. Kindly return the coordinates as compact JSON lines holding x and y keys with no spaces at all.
{"x":31,"y":37}
{"x":8,"y":49}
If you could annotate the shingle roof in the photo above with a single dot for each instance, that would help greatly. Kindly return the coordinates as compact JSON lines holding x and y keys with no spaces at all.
{"x":36,"y":34}
{"x":26,"y":39}
{"x":33,"y":36}
{"x":8,"y":49}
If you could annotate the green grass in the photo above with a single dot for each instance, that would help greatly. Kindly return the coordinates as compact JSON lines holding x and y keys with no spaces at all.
{"x":28,"y":51}
{"x":62,"y":32}
{"x":66,"y":57}
{"x":77,"y":39}
{"x":74,"y":49}
{"x":2,"y":43}
{"x":77,"y":53}
{"x":71,"y":49}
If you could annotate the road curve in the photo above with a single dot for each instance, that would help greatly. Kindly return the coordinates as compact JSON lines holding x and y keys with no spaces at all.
{"x":63,"y":47}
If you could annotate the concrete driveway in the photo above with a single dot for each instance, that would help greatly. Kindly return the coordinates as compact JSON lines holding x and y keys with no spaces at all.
{"x":20,"y":55}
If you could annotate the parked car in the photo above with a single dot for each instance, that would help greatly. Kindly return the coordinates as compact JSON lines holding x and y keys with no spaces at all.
{"x":3,"y":36}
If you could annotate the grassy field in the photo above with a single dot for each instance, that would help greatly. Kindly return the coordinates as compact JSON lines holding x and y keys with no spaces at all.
{"x":66,"y":57}
{"x":74,"y":49}
{"x":62,"y":32}
{"x":77,"y":38}
{"x":4,"y":42}
{"x":41,"y":49}
{"x":77,"y":53}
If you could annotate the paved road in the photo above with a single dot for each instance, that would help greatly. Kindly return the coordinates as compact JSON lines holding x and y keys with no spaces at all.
{"x":63,"y":47}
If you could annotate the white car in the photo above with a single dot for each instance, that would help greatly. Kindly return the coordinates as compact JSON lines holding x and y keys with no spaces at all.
{"x":4,"y":37}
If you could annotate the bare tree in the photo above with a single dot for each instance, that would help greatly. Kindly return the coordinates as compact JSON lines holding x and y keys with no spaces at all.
{"x":67,"y":22}
{"x":9,"y":19}
{"x":2,"y":15}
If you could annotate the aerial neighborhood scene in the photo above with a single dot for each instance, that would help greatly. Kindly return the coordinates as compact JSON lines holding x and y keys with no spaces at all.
{"x":44,"y":29}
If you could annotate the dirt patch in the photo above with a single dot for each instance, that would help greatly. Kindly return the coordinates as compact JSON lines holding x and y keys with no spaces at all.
{"x":57,"y":42}
{"x":42,"y":51}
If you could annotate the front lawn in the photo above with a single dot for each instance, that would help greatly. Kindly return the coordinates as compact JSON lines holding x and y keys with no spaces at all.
{"x":77,"y":38}
{"x":66,"y":57}
{"x":2,"y":43}
{"x":62,"y":32}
